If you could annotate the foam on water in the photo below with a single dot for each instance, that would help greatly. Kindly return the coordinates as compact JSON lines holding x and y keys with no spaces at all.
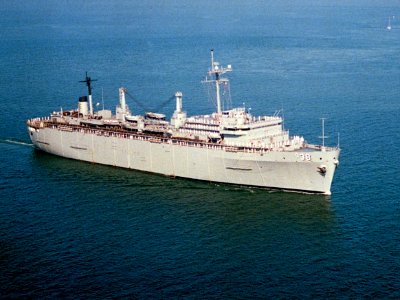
{"x":16,"y":142}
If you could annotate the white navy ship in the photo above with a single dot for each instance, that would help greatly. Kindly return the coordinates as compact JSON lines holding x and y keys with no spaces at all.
{"x":227,"y":146}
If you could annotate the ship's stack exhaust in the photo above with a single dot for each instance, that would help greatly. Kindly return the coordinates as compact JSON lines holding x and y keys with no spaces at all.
{"x":83,"y":105}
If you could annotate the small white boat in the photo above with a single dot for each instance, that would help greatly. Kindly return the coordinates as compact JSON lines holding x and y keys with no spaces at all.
{"x":389,"y":27}
{"x":130,"y":118}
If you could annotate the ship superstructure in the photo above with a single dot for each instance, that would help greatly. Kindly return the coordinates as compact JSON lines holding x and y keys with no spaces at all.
{"x":229,"y":146}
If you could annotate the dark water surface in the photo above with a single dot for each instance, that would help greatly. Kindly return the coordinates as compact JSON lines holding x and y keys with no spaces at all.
{"x":70,"y":229}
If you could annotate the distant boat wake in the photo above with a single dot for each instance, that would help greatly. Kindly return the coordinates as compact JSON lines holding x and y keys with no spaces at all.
{"x":15,"y":142}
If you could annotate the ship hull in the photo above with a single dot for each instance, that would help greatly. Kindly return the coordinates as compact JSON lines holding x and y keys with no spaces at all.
{"x":286,"y":170}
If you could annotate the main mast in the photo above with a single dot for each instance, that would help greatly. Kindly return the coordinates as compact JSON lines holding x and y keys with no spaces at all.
{"x":216,"y":71}
{"x":88,"y":82}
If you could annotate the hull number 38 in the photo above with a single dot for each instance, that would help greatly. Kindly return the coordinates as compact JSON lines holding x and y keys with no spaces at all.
{"x":304,"y":157}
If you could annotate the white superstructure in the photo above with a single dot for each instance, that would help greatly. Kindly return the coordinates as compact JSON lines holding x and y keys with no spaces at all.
{"x":230,"y":146}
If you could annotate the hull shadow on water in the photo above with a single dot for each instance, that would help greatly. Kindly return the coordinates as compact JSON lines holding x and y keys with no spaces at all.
{"x":219,"y":200}
{"x":166,"y":232}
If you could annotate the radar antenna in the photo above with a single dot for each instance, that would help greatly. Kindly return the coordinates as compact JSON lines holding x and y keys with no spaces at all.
{"x":216,"y":71}
{"x":88,"y":82}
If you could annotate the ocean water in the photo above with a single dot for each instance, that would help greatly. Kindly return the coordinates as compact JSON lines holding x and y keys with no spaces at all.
{"x":70,"y":229}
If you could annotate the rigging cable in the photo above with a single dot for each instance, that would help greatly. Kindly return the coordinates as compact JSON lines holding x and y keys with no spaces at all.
{"x":165,"y":103}
{"x":147,"y":109}
{"x":136,"y":101}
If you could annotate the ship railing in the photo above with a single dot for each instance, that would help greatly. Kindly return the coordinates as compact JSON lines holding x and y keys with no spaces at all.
{"x":39,"y":122}
{"x":202,"y":121}
{"x":319,"y":147}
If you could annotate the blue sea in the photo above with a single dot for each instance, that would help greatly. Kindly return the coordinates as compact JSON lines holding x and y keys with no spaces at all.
{"x":76,"y":230}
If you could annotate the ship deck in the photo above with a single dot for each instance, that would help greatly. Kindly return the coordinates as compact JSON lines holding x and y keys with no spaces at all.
{"x":158,"y":137}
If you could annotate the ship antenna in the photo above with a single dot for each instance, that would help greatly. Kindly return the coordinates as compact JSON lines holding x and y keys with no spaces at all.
{"x":102,"y":97}
{"x":323,"y":136}
{"x":212,"y":59}
{"x":88,"y":82}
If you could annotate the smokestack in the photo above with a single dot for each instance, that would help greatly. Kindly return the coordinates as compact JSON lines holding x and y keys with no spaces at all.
{"x":83,"y":105}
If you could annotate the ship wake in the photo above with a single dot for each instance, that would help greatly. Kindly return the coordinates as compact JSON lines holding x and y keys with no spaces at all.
{"x":14,"y":141}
